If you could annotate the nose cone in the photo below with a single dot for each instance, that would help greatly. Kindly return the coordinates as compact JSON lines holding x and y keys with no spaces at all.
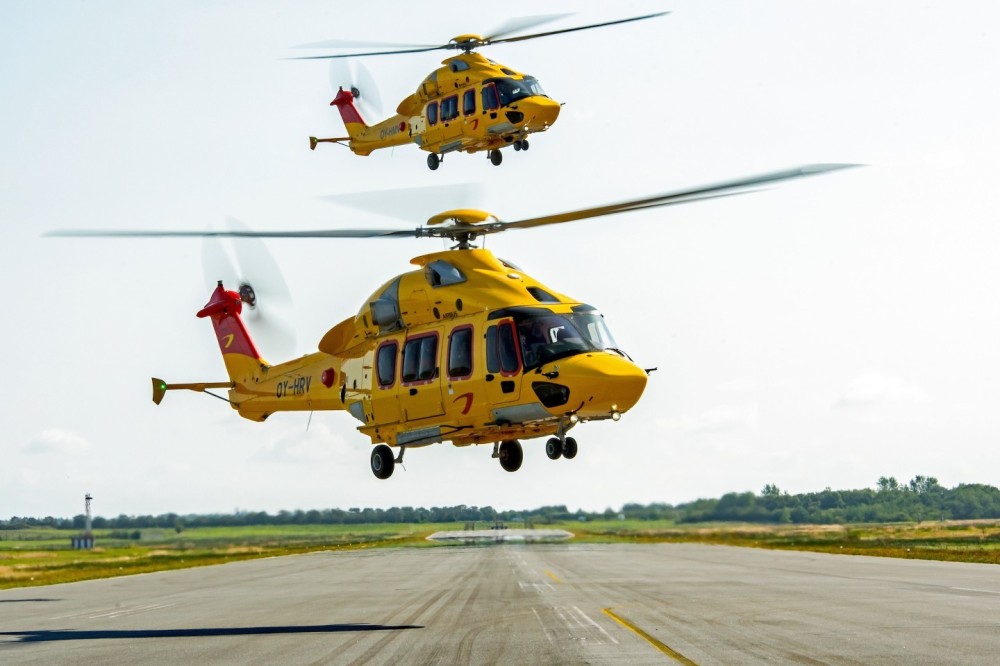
{"x":599,"y":384}
{"x":539,"y":112}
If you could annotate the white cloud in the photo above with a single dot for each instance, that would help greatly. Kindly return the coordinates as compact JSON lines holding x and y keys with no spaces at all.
{"x":56,"y":440}
{"x":874,"y":388}
{"x":723,"y":418}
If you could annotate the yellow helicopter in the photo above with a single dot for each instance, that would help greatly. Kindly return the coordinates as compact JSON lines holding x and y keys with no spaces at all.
{"x":471,"y":104}
{"x":467,"y":348}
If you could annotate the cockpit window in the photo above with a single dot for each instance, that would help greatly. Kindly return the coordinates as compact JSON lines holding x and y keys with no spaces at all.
{"x":546,"y":337}
{"x":511,"y":90}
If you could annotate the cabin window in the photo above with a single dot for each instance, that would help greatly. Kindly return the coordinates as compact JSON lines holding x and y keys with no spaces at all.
{"x":492,"y":360}
{"x":490,"y":99}
{"x":432,"y":113}
{"x":420,"y":359}
{"x":507,"y":347}
{"x":385,"y":365}
{"x":449,"y":108}
{"x":458,"y":65}
{"x":469,"y":102}
{"x":460,"y":353}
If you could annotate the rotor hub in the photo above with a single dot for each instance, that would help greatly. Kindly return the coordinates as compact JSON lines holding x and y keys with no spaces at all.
{"x":248,"y":295}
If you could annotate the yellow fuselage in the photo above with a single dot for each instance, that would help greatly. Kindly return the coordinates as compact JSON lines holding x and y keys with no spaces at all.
{"x":466,"y":349}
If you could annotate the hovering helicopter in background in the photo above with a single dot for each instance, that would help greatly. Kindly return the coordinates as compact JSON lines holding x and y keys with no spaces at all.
{"x":467,"y":348}
{"x":470,"y":105}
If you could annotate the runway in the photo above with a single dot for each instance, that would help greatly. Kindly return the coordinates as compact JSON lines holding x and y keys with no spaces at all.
{"x":517,"y":604}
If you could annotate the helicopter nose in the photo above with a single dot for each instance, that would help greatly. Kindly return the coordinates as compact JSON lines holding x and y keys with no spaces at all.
{"x":594,"y":385}
{"x":540,"y":112}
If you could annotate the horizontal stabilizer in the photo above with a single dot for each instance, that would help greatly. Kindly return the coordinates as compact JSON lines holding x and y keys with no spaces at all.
{"x":160,"y":387}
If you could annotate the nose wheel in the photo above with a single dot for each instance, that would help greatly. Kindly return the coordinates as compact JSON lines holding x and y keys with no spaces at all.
{"x":521,"y":144}
{"x":555,"y":449}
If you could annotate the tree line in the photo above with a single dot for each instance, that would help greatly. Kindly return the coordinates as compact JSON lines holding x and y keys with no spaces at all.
{"x":923,"y":498}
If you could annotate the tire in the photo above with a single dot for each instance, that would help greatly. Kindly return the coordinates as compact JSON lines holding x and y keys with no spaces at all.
{"x":382,"y":461}
{"x":553,"y":449}
{"x":511,"y":455}
{"x":569,"y":448}
{"x":433,"y":161}
{"x":496,"y":157}
{"x":517,"y":145}
{"x":524,"y":144}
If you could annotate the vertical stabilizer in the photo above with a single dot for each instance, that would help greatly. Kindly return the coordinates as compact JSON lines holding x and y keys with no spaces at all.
{"x":344,"y":101}
{"x":243,"y":361}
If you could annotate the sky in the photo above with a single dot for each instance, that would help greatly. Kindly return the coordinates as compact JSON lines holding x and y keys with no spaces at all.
{"x":823,"y":333}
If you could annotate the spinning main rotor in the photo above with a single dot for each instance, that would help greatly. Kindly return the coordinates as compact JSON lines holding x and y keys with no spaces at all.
{"x":463,"y":226}
{"x":465,"y":43}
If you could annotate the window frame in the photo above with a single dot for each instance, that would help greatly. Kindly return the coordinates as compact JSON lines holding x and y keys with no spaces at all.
{"x":395,"y":364}
{"x":437,"y":367}
{"x":472,"y":349}
{"x":467,"y":95}
{"x":457,"y":113}
{"x":496,"y":97}
{"x":494,"y":360}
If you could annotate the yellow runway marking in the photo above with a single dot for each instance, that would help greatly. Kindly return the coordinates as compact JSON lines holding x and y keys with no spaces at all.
{"x":552,"y":576}
{"x":665,"y":649}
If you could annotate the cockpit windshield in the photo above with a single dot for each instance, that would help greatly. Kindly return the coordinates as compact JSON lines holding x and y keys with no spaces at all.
{"x":546,"y":337}
{"x":511,"y":90}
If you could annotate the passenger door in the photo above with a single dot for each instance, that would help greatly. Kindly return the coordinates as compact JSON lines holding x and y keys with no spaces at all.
{"x":503,"y":363}
{"x":420,"y":376}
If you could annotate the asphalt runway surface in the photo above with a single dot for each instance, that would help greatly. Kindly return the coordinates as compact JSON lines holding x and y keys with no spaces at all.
{"x":520,"y":604}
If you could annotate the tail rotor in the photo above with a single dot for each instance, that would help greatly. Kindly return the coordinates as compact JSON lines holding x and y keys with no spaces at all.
{"x":247,"y":267}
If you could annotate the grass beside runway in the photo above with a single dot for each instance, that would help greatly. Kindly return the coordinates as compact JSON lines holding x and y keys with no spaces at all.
{"x":31,"y":557}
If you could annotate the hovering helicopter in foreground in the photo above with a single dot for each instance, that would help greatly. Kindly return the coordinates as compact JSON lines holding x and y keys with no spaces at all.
{"x":469,"y":105}
{"x":467,"y":348}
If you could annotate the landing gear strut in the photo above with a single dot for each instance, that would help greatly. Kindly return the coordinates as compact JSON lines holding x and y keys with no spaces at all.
{"x":382,"y":461}
{"x":511,"y":454}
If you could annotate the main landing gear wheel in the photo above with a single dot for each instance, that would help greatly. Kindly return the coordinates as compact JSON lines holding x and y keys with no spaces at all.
{"x":433,"y":161}
{"x":569,"y":448}
{"x":511,"y":455}
{"x":382,"y":461}
{"x":496,"y":157}
{"x":553,"y":449}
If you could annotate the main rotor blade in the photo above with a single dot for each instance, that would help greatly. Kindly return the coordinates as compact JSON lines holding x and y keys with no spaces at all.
{"x":726,"y":188}
{"x":373,"y":53}
{"x":322,"y":233}
{"x":521,"y":23}
{"x":356,"y":44}
{"x":521,"y":38}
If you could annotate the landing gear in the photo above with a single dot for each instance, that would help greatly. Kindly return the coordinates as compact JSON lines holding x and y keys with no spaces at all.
{"x":496,"y":157}
{"x":511,"y":455}
{"x":433,"y":161}
{"x":569,"y":448}
{"x":382,"y":461}
{"x":553,"y":449}
{"x":521,"y":144}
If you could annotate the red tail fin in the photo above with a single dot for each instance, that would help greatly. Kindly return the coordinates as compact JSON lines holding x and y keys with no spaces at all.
{"x":344,"y":101}
{"x":224,"y":308}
